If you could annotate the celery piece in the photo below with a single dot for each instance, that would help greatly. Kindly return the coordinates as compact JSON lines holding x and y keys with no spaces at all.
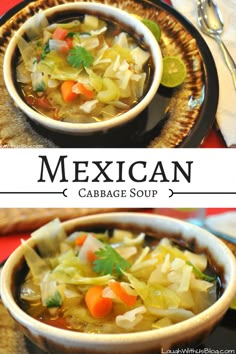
{"x":55,"y":300}
{"x":201,"y":275}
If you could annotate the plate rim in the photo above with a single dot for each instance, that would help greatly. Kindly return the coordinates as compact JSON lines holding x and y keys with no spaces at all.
{"x":209,"y":70}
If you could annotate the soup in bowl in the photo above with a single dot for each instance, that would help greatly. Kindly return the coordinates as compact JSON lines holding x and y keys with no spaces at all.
{"x":121,"y":282}
{"x":83,"y":67}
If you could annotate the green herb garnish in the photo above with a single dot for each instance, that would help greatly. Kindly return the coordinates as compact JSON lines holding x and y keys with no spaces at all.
{"x":55,"y":300}
{"x":46,"y":50}
{"x":70,"y":34}
{"x":40,"y":87}
{"x":201,"y":275}
{"x":109,"y":261}
{"x":79,"y":56}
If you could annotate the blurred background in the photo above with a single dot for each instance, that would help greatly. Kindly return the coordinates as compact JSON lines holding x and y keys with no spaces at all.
{"x":17,"y":224}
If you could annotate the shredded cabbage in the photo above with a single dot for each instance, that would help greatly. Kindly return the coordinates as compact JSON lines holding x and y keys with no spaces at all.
{"x":175,"y":315}
{"x":49,"y":237}
{"x":34,"y":26}
{"x":130,"y":318}
{"x":37,"y":265}
{"x":113,"y":66}
{"x":163,"y":286}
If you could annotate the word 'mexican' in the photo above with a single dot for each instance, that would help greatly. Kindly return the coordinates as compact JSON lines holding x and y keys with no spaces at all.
{"x":114,"y":171}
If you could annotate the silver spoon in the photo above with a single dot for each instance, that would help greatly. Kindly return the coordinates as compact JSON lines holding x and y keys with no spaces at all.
{"x":211,"y":22}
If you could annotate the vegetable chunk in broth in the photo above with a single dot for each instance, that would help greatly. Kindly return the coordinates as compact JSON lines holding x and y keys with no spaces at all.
{"x":83,"y":71}
{"x":113,"y":282}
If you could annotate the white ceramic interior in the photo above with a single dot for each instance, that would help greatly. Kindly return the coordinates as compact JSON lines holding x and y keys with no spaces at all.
{"x":127,"y":21}
{"x":185,"y":334}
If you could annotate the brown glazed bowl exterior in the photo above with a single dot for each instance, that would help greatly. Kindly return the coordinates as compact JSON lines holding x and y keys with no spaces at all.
{"x":188,"y":333}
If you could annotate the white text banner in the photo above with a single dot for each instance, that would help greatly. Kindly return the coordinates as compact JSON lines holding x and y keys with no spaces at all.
{"x":142,"y":178}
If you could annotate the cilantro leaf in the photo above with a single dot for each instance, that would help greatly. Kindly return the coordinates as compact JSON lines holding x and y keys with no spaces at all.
{"x":55,"y":300}
{"x":46,"y":50}
{"x":70,"y":34}
{"x":201,"y":275}
{"x":40,"y":87}
{"x":79,"y":56}
{"x":109,"y":261}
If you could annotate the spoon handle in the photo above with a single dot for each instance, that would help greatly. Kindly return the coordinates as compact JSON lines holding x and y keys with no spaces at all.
{"x":228,"y":59}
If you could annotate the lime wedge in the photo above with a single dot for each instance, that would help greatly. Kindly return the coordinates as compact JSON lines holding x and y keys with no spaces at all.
{"x":233,"y":304}
{"x":174,"y":71}
{"x":153,"y":27}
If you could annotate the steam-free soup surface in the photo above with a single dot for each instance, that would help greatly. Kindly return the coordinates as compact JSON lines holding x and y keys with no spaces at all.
{"x":112,"y":282}
{"x":86,"y":70}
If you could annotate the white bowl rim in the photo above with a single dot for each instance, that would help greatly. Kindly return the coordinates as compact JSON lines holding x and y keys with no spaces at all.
{"x":209,"y":315}
{"x":86,"y":128}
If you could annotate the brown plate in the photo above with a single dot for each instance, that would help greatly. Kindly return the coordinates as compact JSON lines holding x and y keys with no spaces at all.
{"x":178,"y":117}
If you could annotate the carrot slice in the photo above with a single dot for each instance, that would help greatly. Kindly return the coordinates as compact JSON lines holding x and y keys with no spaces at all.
{"x":91,"y":256}
{"x":66,"y":90}
{"x":60,"y":33}
{"x":120,"y":292}
{"x":97,"y":305}
{"x":64,"y":49}
{"x":80,"y":240}
{"x":84,"y":90}
{"x":69,"y":42}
